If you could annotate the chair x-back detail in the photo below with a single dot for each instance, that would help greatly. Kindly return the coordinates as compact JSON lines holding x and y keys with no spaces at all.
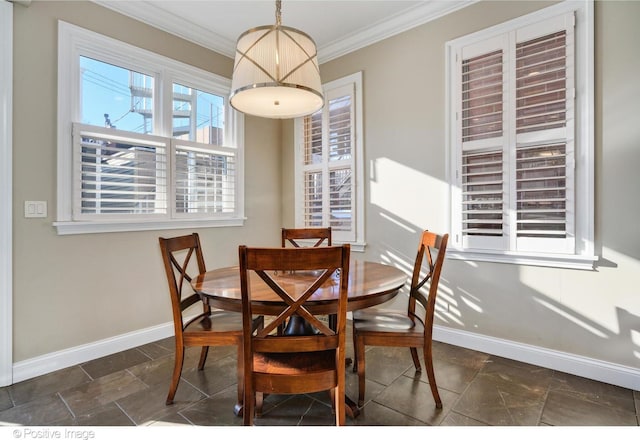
{"x":412,"y":328}
{"x":291,"y":235}
{"x":181,"y":256}
{"x":300,"y":363}
{"x":304,"y":237}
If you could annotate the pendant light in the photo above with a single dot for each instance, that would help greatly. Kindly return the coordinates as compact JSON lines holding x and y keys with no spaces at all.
{"x":276,"y":74}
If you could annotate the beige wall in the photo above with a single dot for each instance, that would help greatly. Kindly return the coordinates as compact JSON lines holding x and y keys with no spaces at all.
{"x":592,"y":314}
{"x":72,"y":290}
{"x":78,"y":289}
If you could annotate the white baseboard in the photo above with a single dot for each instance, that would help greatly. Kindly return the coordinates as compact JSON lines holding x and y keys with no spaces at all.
{"x":614,"y":374}
{"x":602,"y":371}
{"x":48,"y":363}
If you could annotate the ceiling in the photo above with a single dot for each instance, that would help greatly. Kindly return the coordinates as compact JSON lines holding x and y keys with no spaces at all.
{"x":338,"y":27}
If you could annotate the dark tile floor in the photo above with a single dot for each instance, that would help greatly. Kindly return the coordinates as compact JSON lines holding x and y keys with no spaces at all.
{"x":477,"y":389}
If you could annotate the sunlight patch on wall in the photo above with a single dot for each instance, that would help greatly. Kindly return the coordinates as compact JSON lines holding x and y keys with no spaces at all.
{"x":403,"y":225}
{"x":571,"y":317}
{"x":470,"y":304}
{"x":449,"y":316}
{"x":635,"y":339}
{"x":447,"y":308}
{"x":604,"y":301}
{"x":406,"y":193}
{"x":398,"y":261}
{"x":456,"y":307}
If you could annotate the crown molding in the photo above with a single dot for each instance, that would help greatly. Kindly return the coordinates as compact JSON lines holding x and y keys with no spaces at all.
{"x":401,"y":22}
{"x":165,"y":21}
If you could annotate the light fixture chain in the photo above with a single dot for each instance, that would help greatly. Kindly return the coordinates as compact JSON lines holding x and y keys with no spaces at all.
{"x":278,"y":13}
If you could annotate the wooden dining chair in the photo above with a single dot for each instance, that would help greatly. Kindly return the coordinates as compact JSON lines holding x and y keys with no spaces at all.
{"x":290,"y":236}
{"x":294,"y":363}
{"x":181,"y":256}
{"x":295,"y":237}
{"x":412,"y":328}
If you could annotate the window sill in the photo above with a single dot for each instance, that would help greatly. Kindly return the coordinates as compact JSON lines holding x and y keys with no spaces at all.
{"x":71,"y":228}
{"x":357,"y":247}
{"x":581,"y":262}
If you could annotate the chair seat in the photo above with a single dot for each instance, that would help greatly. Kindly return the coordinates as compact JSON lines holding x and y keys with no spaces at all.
{"x":386,"y":321}
{"x":294,"y":363}
{"x":223,"y":322}
{"x":294,"y":373}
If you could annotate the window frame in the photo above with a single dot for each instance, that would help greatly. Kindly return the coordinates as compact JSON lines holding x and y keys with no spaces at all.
{"x":73,"y":42}
{"x":354,"y":81}
{"x":583,"y":256}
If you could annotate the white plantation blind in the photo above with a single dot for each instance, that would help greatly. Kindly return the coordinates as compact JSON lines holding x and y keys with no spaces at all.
{"x":340,"y":128}
{"x":515,"y":136}
{"x":541,"y":107}
{"x":123,"y":173}
{"x":482,"y":193}
{"x":313,"y":202}
{"x":544,"y":125}
{"x":313,"y":138}
{"x":118,"y":173}
{"x":340,"y":200}
{"x":313,"y":157}
{"x":482,"y":100}
{"x":541,"y":191}
{"x":205,"y":179}
{"x":483,"y":183}
{"x":328,"y":166}
{"x":541,"y":83}
{"x":341,"y":142}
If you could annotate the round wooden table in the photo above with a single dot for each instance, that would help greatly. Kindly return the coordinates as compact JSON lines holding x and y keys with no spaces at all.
{"x":370,"y":284}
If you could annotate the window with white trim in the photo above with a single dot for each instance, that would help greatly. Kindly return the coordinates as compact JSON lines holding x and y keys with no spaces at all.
{"x":144,"y":142}
{"x":329,"y":189}
{"x":521,"y":140}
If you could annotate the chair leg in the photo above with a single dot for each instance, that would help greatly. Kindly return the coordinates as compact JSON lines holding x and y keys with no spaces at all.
{"x":359,"y":350}
{"x":203,"y":357}
{"x":355,"y":351}
{"x":239,"y":407}
{"x":428,"y":360}
{"x":416,"y":359}
{"x":259,"y":403}
{"x":177,"y":371}
{"x":340,"y":406}
{"x":249,"y":406}
{"x":332,"y":397}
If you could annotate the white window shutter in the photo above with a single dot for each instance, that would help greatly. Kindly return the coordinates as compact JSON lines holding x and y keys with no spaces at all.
{"x":544,"y":175}
{"x":482,"y":193}
{"x":119,"y":174}
{"x":483,"y":159}
{"x":328,"y":165}
{"x":482,"y":96}
{"x":515,"y":135}
{"x":205,"y":179}
{"x":341,"y":143}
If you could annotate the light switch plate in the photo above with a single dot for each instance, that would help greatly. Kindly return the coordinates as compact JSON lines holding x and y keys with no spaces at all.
{"x":35,"y":209}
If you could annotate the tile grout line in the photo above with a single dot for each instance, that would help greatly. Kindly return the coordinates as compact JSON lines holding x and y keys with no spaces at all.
{"x":124,"y":412}
{"x":73,"y":415}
